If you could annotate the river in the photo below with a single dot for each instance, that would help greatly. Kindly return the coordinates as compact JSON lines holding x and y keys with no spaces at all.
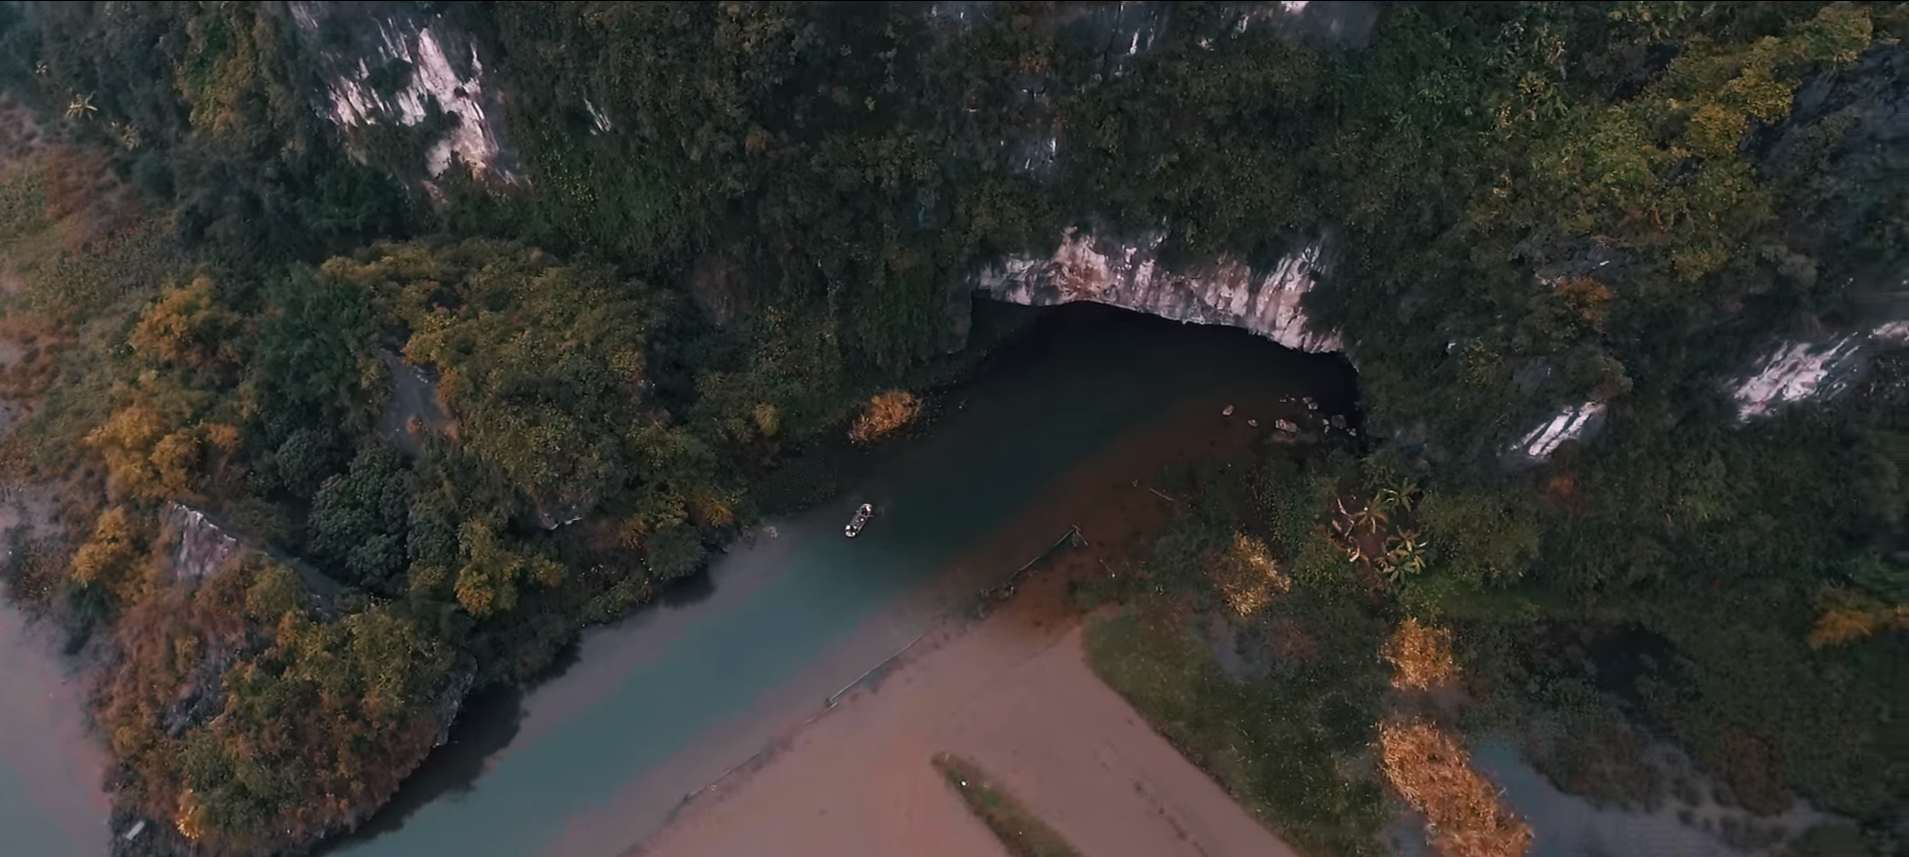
{"x":51,"y":800}
{"x":595,"y":759}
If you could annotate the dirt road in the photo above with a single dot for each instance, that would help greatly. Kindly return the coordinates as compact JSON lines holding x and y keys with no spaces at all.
{"x":1014,"y":694}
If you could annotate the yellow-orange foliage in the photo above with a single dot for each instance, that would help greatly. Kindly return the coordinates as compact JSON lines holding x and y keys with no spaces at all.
{"x":886,"y":412}
{"x":191,"y":818}
{"x":145,"y":460}
{"x":187,"y":326}
{"x":223,"y":436}
{"x":768,"y":420}
{"x":111,"y":558}
{"x":1841,"y":625}
{"x":1590,"y":298}
{"x":1434,"y":774}
{"x":1421,"y":656}
{"x":1247,"y":575}
{"x":710,"y":510}
{"x":633,"y":532}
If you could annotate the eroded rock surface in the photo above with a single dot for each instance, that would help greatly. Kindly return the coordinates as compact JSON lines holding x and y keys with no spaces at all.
{"x":406,"y":69}
{"x":1225,"y":291}
{"x":1794,"y":372}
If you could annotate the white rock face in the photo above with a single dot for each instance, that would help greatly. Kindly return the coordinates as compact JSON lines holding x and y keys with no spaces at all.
{"x":1224,"y":292}
{"x":599,"y":120}
{"x":474,"y":140}
{"x":203,"y":547}
{"x":1574,"y":422}
{"x":1801,"y":371}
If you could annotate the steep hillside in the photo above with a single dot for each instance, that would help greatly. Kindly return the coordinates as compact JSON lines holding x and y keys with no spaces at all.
{"x":472,"y":324}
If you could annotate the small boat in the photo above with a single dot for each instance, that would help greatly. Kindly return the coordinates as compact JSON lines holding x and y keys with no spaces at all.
{"x":860,"y":520}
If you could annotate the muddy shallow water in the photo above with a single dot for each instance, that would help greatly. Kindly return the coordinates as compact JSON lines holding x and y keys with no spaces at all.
{"x":51,"y":800}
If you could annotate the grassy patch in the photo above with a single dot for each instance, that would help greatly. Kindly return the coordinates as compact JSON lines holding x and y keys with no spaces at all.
{"x":1022,"y":832}
{"x":1291,"y":755}
{"x":1286,"y":722}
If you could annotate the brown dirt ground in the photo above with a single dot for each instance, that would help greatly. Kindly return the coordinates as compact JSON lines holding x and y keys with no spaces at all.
{"x":1013,"y":693}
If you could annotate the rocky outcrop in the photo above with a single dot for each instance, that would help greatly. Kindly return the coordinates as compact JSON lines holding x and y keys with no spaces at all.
{"x":564,"y":508}
{"x":402,"y":69}
{"x":1580,"y":422}
{"x":412,"y":410}
{"x":203,"y":547}
{"x":1225,"y":291}
{"x":1794,"y":372}
{"x":449,"y":702}
{"x":1847,"y":139}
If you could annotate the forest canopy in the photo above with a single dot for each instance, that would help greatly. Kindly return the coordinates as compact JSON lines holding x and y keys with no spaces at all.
{"x":456,"y":409}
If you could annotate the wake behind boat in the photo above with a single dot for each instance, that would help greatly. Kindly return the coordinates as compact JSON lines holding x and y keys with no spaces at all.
{"x":860,"y":520}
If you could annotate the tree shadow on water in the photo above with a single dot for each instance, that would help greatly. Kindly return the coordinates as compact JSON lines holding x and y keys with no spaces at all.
{"x":687,"y":591}
{"x":490,"y":721}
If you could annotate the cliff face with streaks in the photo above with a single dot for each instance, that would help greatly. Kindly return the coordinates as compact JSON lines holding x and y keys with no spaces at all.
{"x":1224,"y":291}
{"x":407,"y":68}
{"x":1794,"y":372}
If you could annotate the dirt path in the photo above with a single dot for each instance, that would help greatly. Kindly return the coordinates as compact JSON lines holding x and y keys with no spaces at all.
{"x":1014,"y":694}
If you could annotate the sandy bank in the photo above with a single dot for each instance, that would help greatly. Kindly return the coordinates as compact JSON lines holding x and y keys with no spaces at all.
{"x":1014,"y":694}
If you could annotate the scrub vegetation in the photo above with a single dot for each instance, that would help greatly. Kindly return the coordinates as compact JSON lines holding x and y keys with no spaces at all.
{"x":452,"y":419}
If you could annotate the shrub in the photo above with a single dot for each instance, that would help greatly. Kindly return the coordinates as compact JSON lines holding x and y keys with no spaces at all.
{"x":1434,"y":774}
{"x":1421,"y":656}
{"x":886,"y":413}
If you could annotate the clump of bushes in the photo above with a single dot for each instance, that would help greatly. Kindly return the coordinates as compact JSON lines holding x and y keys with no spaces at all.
{"x":886,"y":413}
{"x":1434,"y":774}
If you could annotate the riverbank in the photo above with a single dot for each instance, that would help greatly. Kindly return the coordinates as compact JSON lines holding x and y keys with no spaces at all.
{"x":662,"y":703}
{"x":653,"y":706}
{"x":1011,"y":692}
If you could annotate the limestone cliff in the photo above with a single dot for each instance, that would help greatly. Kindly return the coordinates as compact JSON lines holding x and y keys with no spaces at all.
{"x":399,"y":67}
{"x":203,"y":548}
{"x":1792,"y":372}
{"x":1223,"y":291}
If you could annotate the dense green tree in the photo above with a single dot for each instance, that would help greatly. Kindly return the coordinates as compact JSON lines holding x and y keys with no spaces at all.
{"x":358,"y":519}
{"x":726,"y":225}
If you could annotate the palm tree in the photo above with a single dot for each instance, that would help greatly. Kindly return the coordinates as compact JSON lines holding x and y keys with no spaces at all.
{"x":81,"y":107}
{"x":1372,"y":517}
{"x":1405,"y":554}
{"x":1396,"y":496}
